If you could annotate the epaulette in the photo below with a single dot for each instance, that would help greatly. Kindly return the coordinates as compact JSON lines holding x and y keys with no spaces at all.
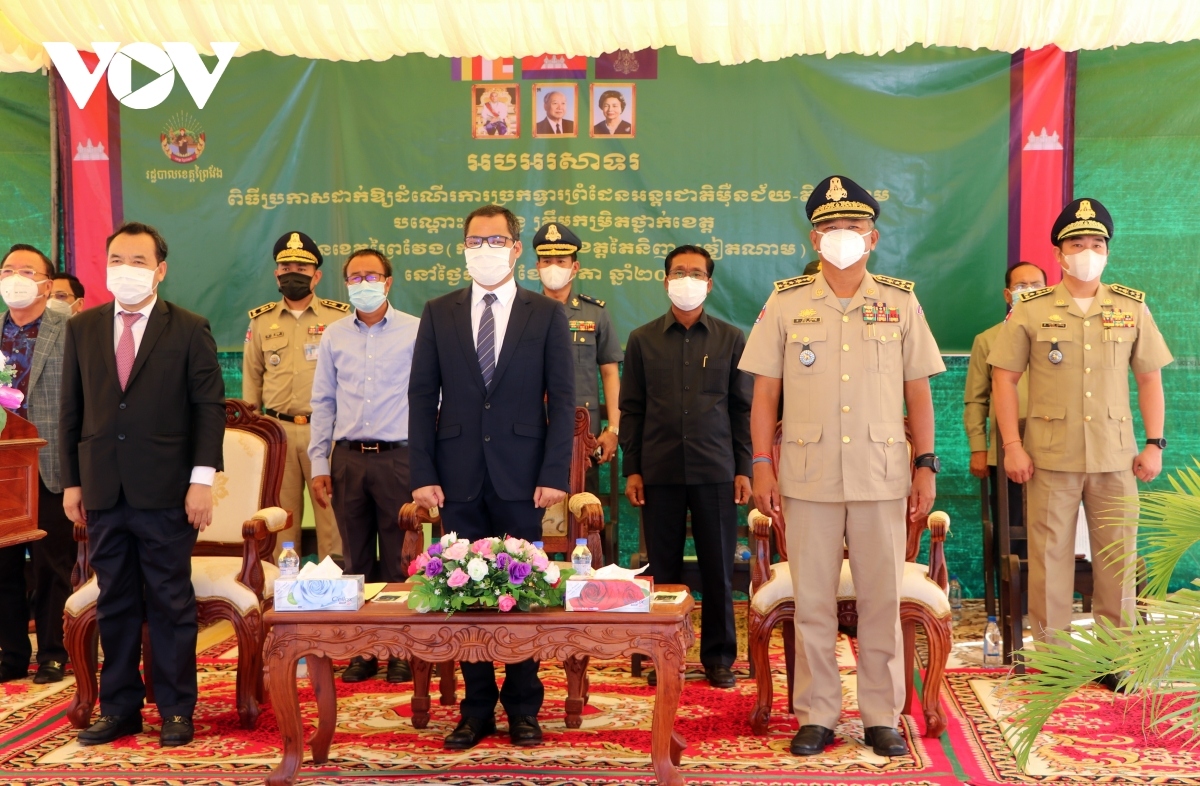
{"x":336,"y":306}
{"x":592,"y":300}
{"x":1129,"y":292}
{"x":264,"y":308}
{"x":784,"y":284}
{"x":1026,"y":296}
{"x":898,"y":283}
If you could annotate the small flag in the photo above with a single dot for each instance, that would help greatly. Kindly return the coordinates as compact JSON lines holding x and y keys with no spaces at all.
{"x":554,"y":67}
{"x":479,"y":69}
{"x":623,"y":64}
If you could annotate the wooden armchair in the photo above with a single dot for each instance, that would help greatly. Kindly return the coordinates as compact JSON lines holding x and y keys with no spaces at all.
{"x":923,"y":601}
{"x":233,"y":572}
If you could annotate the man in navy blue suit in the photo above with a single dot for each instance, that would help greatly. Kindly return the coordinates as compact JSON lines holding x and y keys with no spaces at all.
{"x":498,"y":358}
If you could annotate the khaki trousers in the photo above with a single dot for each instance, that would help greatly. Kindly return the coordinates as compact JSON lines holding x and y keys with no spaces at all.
{"x":874,"y":534}
{"x":297,"y":473}
{"x":1053,"y":511}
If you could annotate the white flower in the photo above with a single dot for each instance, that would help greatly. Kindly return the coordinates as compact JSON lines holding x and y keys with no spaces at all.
{"x":448,"y":538}
{"x":477,"y":569}
{"x":552,"y":572}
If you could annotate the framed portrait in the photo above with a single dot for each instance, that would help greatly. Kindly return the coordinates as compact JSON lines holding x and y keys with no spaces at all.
{"x":614,"y":109}
{"x":555,"y":110}
{"x":495,"y":111}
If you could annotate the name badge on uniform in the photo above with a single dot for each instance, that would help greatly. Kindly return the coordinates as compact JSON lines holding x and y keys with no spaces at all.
{"x":806,"y":316}
{"x":311,"y":351}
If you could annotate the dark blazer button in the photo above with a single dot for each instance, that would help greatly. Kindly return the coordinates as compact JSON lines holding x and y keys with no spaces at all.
{"x":487,"y":405}
{"x":120,"y":436}
{"x":122,"y":405}
{"x":487,"y":438}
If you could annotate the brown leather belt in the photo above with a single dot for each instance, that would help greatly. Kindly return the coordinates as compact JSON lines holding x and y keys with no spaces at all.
{"x":299,"y":420}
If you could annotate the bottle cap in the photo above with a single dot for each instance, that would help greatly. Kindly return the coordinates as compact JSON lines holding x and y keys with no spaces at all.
{"x":287,"y":544}
{"x":580,"y":541}
{"x":953,"y":577}
{"x":539,"y":545}
{"x":991,"y":618}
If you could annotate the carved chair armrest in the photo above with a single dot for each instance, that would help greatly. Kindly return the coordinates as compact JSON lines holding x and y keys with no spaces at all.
{"x":588,"y":515}
{"x":412,"y":516}
{"x":259,"y":527}
{"x":83,"y":566}
{"x":939,"y":527}
{"x":760,"y":531}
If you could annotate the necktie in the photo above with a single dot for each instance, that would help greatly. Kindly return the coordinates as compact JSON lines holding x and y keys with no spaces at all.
{"x":557,"y":128}
{"x":485,"y":344}
{"x":125,"y":352}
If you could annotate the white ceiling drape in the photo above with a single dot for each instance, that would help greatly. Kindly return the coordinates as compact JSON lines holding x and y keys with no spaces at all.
{"x":723,"y":31}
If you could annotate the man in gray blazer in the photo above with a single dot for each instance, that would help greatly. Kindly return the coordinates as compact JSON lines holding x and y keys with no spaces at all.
{"x":31,"y":338}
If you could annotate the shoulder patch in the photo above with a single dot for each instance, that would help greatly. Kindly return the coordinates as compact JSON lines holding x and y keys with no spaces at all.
{"x":592,"y":300}
{"x":1129,"y":292}
{"x":898,"y":283}
{"x":1026,"y":296}
{"x":336,"y":306}
{"x":263,"y":309}
{"x":785,"y":284}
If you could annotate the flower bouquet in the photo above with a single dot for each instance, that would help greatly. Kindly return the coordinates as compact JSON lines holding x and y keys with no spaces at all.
{"x":10,"y":397}
{"x":505,"y":573}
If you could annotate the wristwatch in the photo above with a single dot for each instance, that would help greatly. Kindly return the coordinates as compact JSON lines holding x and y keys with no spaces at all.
{"x":615,"y":431}
{"x":929,"y":460}
{"x":1159,"y":443}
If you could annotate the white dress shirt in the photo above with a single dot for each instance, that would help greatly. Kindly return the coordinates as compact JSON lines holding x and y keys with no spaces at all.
{"x":501,"y":310}
{"x":202,"y":475}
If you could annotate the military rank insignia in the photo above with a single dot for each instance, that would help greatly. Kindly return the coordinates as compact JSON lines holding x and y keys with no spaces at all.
{"x":806,"y":316}
{"x":880,"y":312}
{"x":1116,"y":319}
{"x":583,"y":325}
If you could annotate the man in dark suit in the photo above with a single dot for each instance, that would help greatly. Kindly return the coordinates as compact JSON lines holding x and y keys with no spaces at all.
{"x":555,"y":123}
{"x":142,"y":425}
{"x":499,"y":450}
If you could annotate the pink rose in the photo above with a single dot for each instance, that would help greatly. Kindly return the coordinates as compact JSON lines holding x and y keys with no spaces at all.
{"x":507,"y":602}
{"x":10,"y":398}
{"x":512,"y":546}
{"x":456,"y":551}
{"x":458,"y":577}
{"x":421,"y":561}
{"x":541,"y":561}
{"x":483,"y":547}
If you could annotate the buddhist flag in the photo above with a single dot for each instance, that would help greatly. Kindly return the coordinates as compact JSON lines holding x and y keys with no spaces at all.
{"x":623,"y":64}
{"x":554,"y":67}
{"x":479,"y":69}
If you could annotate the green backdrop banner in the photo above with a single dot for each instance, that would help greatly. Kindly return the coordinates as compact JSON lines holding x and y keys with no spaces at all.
{"x":24,"y":161}
{"x":387,"y":155}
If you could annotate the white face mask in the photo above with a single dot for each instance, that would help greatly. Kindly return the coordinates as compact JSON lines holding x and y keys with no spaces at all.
{"x":59,"y":306}
{"x":18,"y":291}
{"x":487,"y":265}
{"x":1087,"y":265}
{"x":555,"y":277}
{"x":130,"y":285}
{"x":842,"y":247}
{"x":687,"y":293}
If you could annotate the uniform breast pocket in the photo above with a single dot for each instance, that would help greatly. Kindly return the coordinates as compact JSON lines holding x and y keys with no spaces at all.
{"x":799,"y":458}
{"x":716,"y":377}
{"x":1049,"y":339}
{"x":1118,"y":345}
{"x":274,"y":346}
{"x":882,"y":350}
{"x":1046,"y":428}
{"x":584,"y":345}
{"x":807,"y":349}
{"x":889,"y":451}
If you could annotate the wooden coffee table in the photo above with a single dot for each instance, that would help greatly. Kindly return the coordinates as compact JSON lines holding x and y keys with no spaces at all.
{"x":393,"y":630}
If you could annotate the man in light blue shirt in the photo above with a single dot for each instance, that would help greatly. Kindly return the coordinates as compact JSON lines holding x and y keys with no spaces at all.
{"x":359,"y":434}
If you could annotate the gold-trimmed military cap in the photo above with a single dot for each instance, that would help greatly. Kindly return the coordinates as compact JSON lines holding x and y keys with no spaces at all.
{"x":297,"y":247}
{"x":837,"y":196}
{"x":555,"y":240}
{"x":1082,"y":217}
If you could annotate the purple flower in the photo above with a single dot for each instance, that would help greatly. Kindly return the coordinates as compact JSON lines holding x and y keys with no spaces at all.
{"x":10,"y":397}
{"x":518,"y":572}
{"x":435,"y":549}
{"x":433,"y":568}
{"x":503,"y":561}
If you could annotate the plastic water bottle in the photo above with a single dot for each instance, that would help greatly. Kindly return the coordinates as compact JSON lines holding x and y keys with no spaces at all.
{"x":581,"y":558}
{"x":991,"y":645}
{"x":539,"y":545}
{"x":955,"y":592}
{"x":289,"y":561}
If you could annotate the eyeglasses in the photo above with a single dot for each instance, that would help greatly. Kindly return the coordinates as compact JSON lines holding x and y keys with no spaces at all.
{"x":370,"y":278}
{"x":695,"y":275}
{"x":65,"y":297}
{"x":495,"y":241}
{"x":32,"y":275}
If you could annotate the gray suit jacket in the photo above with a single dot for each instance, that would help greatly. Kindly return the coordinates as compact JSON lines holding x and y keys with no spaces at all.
{"x":45,"y":382}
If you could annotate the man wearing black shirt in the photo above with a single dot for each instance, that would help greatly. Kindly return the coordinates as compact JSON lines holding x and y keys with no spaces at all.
{"x":685,"y":434}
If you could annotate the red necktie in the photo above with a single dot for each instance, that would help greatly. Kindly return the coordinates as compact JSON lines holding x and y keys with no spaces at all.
{"x":125,"y":351}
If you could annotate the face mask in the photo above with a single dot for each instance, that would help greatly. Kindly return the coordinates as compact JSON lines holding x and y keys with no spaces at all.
{"x":295,"y":286}
{"x":367,"y":296}
{"x":555,"y":277}
{"x":487,"y":265}
{"x":1087,"y":265}
{"x":842,"y":247}
{"x":18,"y":291}
{"x":59,"y":306}
{"x":130,"y":285}
{"x":687,"y":293}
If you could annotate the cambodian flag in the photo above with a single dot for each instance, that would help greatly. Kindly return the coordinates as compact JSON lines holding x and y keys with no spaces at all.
{"x":554,"y":67}
{"x":479,"y":69}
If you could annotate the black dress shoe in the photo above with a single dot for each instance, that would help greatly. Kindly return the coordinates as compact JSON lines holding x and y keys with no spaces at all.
{"x":468,"y":733}
{"x":811,"y":740}
{"x":176,"y":730}
{"x":523,"y":730}
{"x":360,"y":669}
{"x":50,"y":671}
{"x":720,"y":677}
{"x":111,"y":727}
{"x":398,"y":670}
{"x":651,"y":677}
{"x":9,"y":673}
{"x":885,"y":741}
{"x":1113,"y":681}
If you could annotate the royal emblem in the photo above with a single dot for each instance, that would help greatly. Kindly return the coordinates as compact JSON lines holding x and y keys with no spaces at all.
{"x":552,"y":234}
{"x":1085,"y":212}
{"x":626,"y":62}
{"x":1056,"y":355}
{"x":807,"y":356}
{"x":182,"y":138}
{"x":836,"y":192}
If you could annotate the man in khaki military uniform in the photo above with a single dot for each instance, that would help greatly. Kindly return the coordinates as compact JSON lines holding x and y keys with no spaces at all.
{"x":1079,"y":340}
{"x":282,"y":344}
{"x":852,"y":350}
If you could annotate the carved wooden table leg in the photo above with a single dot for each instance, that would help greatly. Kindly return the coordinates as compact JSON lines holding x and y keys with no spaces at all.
{"x":420,"y":696}
{"x":576,"y":668}
{"x":448,"y":681}
{"x":282,"y":680}
{"x":320,"y":671}
{"x":666,"y":745}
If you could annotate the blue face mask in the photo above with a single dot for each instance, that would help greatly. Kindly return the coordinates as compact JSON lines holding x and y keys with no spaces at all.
{"x":367,"y":296}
